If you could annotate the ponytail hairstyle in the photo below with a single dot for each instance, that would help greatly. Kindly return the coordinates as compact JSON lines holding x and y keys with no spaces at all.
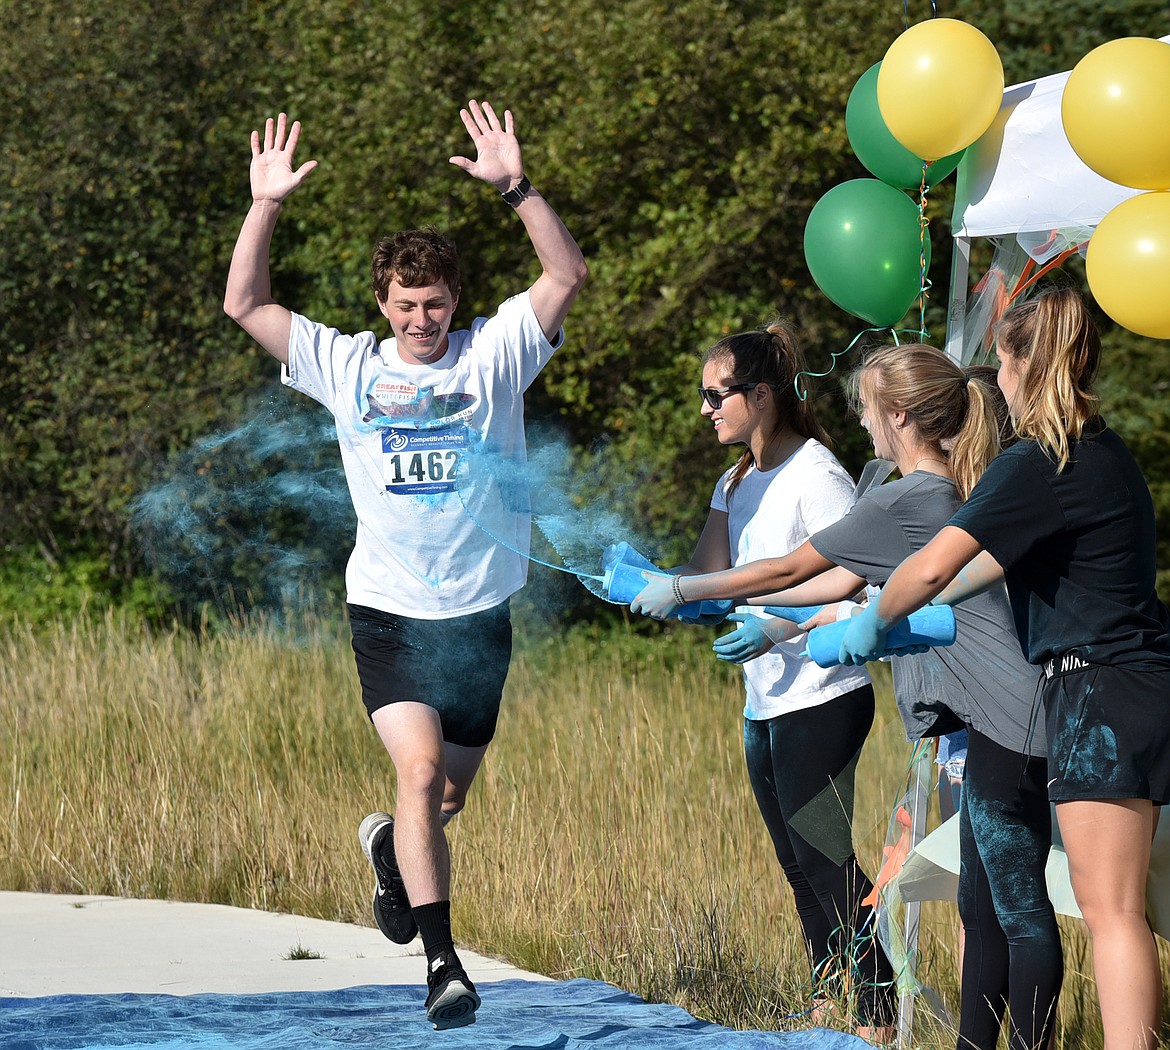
{"x":946,"y":405}
{"x":770,"y":355}
{"x":1055,"y":342}
{"x":986,"y":376}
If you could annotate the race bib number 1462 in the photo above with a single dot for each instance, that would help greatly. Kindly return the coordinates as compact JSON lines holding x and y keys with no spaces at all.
{"x":417,"y":462}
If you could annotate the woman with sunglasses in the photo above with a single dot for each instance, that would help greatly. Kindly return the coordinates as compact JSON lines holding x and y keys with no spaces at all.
{"x":1067,"y":514}
{"x":941,"y":425}
{"x":804,"y":726}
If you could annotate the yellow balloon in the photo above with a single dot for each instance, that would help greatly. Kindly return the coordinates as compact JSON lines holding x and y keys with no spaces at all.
{"x":939,"y":87}
{"x":1128,"y":264}
{"x":1116,"y":111}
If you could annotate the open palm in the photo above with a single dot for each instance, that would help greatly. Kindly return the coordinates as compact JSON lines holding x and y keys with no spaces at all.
{"x":497,"y":150}
{"x":272,"y":174}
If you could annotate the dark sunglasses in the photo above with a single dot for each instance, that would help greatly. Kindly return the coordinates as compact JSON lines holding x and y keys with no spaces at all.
{"x":714,"y":395}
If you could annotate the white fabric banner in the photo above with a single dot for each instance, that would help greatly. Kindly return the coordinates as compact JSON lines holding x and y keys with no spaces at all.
{"x":1022,"y":175}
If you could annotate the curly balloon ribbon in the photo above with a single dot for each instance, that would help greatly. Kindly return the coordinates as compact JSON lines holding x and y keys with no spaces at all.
{"x":923,"y":279}
{"x":834,"y":354}
{"x":801,"y":393}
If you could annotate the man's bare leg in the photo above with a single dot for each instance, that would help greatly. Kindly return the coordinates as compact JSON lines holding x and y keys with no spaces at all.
{"x":433,"y":780}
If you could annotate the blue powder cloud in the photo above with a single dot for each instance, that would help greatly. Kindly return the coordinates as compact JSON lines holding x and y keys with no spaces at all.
{"x":260,"y":516}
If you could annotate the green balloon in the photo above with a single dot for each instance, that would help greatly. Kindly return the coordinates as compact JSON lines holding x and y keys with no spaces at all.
{"x":863,"y":244}
{"x":877,"y":149}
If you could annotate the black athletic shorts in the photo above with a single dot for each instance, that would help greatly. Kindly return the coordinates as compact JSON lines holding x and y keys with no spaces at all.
{"x":1108,"y":731}
{"x":457,"y":666}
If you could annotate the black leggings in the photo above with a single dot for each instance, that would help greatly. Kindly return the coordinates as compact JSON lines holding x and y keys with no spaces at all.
{"x":1013,"y":953}
{"x":802,"y":767}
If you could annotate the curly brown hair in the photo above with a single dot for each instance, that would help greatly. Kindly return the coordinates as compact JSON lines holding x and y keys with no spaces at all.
{"x":414,"y":258}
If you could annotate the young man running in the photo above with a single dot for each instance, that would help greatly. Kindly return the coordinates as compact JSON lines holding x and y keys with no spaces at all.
{"x":427,"y":587}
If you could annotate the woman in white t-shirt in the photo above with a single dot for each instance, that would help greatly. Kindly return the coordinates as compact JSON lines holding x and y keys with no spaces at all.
{"x":804,"y":726}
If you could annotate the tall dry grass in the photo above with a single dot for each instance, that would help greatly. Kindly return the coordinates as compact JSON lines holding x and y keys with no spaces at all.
{"x":611,"y":834}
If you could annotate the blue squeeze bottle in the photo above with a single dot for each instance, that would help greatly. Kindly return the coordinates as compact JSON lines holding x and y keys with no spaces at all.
{"x":624,"y":580}
{"x":933,"y":625}
{"x":795,"y":613}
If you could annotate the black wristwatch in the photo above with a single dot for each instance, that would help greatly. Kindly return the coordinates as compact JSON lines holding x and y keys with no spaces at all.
{"x":518,"y":192}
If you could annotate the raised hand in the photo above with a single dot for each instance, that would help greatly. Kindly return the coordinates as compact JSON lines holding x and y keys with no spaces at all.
{"x":497,"y":150}
{"x":272,"y":174}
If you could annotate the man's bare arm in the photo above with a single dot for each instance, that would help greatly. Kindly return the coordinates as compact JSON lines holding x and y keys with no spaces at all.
{"x":248,"y":298}
{"x":499,"y":163}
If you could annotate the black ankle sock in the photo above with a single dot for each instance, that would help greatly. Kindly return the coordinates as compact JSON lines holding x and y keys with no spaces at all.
{"x":434,"y":925}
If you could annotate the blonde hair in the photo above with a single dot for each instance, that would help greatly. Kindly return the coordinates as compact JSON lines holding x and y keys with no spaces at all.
{"x":1055,"y":341}
{"x":769,"y":355}
{"x":986,"y":374}
{"x":945,"y":402}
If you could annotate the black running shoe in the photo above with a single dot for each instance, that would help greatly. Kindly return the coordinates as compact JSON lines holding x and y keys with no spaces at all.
{"x":451,"y":997}
{"x":391,"y":904}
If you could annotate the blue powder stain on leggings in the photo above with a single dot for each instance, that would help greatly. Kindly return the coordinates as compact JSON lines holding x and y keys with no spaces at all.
{"x":1015,"y":873}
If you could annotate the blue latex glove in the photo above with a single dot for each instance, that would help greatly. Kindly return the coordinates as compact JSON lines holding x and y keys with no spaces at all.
{"x":656,"y":599}
{"x":845,"y":610}
{"x":754,"y":637}
{"x":716,"y":612}
{"x":865,"y":637}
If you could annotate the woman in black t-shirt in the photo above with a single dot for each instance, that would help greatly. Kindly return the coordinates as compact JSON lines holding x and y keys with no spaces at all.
{"x":1067,"y":515}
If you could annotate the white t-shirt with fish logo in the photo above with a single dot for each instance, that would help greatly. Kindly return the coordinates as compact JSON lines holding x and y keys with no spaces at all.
{"x":434,"y":457}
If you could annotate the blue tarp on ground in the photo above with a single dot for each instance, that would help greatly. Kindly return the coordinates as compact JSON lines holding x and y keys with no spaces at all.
{"x":516,"y":1015}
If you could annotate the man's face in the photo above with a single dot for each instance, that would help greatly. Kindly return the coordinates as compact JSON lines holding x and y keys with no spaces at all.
{"x":419,"y":318}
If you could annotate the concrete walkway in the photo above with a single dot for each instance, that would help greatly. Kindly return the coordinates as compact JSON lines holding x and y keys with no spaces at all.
{"x":66,"y":945}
